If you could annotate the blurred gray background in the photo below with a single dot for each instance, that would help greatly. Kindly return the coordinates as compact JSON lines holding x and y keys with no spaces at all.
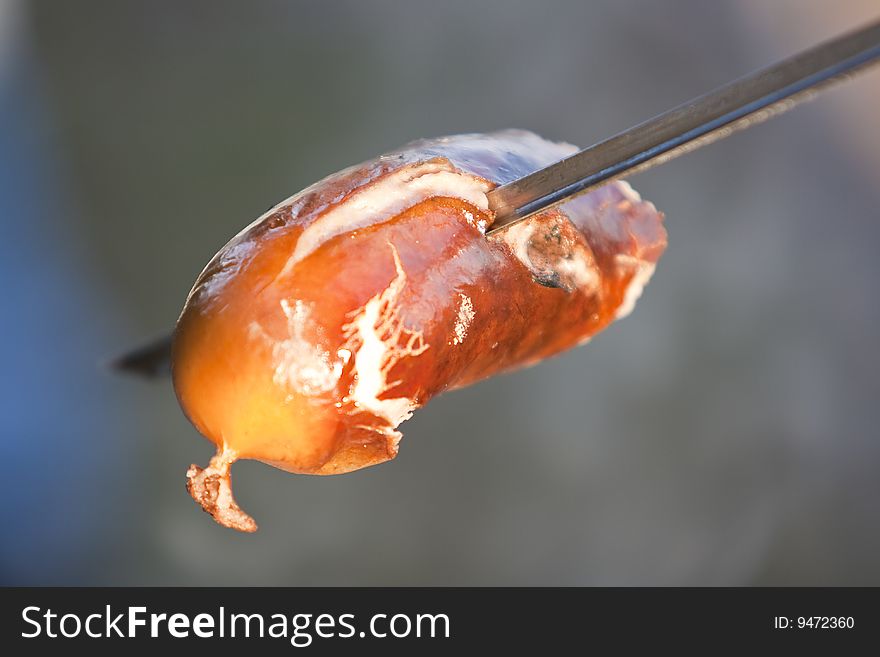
{"x":726,"y":433}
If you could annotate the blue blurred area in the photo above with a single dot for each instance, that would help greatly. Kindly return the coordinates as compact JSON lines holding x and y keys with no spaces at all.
{"x":64,"y":444}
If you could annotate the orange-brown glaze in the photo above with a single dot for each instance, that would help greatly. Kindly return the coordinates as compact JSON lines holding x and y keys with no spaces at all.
{"x":317,"y":330}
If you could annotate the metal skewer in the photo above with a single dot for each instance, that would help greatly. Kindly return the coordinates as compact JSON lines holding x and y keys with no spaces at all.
{"x":740,"y":104}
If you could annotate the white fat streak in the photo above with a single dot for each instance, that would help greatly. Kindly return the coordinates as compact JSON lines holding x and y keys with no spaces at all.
{"x":584,"y":274}
{"x":368,"y":364}
{"x":375,"y":337}
{"x":388,"y":197}
{"x":300,"y":363}
{"x":463,"y":319}
{"x":642,"y":274}
{"x":517,"y":238}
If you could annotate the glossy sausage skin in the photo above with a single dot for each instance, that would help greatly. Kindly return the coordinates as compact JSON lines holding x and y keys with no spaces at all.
{"x":316,"y":331}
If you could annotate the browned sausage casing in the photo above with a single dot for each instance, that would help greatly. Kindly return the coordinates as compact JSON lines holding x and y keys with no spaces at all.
{"x":317,"y":330}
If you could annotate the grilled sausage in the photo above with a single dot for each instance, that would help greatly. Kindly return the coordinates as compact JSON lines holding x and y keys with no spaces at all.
{"x":323,"y":325}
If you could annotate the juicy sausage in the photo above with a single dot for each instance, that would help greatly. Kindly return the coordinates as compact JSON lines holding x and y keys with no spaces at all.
{"x":323,"y":325}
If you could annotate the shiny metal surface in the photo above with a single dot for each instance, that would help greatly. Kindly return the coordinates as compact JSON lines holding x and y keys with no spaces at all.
{"x":739,"y":104}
